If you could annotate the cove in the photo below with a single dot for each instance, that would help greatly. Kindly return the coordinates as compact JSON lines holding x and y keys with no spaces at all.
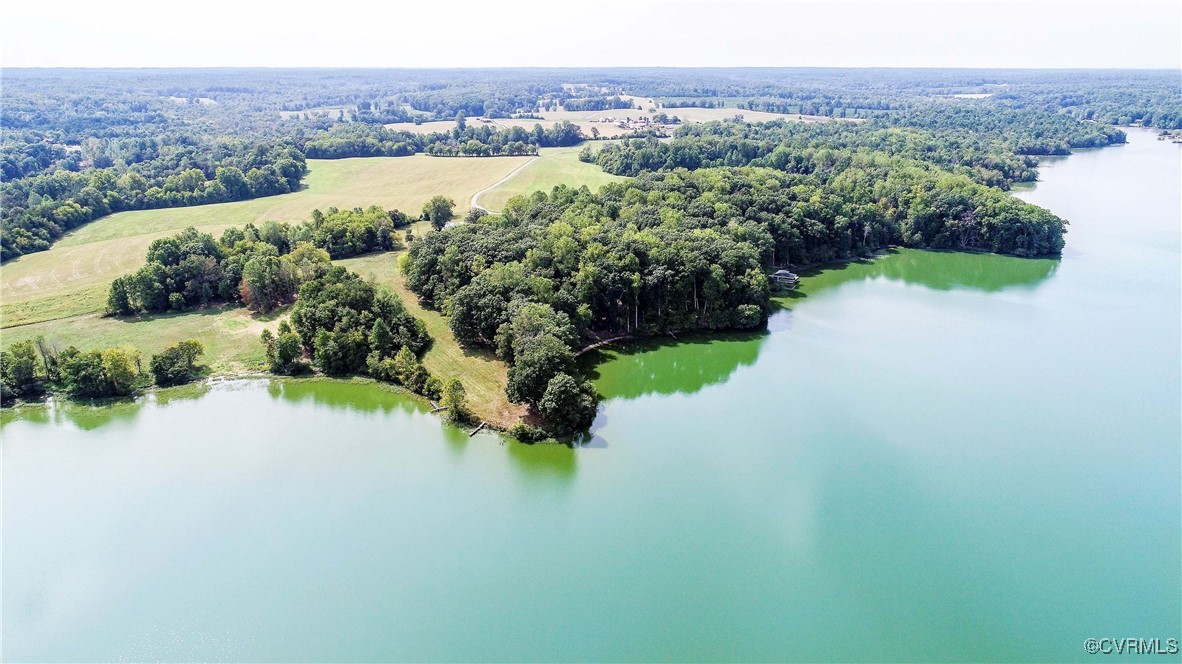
{"x":928,"y":456}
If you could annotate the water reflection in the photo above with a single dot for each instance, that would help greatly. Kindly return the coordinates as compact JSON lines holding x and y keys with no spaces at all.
{"x":90,"y":414}
{"x":682,"y":366}
{"x":358,"y":395}
{"x":937,"y":270}
{"x":543,"y":464}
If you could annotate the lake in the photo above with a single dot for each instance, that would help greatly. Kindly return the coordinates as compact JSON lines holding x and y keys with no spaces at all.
{"x":930,"y":456}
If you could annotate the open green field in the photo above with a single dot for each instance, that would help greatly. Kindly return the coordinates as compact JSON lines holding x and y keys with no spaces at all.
{"x":552,"y":168}
{"x":73,"y":276}
{"x":230,"y":334}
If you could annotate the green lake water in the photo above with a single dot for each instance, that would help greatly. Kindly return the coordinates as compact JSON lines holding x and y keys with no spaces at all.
{"x":931,"y":456}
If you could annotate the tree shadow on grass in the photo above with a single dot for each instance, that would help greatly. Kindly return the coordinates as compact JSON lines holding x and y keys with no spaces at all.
{"x":209,"y":310}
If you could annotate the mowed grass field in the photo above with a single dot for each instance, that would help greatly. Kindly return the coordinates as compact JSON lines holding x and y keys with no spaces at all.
{"x":73,"y":276}
{"x":230,"y":334}
{"x":552,"y":167}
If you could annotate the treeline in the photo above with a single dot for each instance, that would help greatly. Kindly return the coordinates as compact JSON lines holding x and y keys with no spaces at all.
{"x":592,"y":103}
{"x":807,"y":147}
{"x":361,"y":140}
{"x":31,"y":368}
{"x":37,"y":210}
{"x":994,"y":151}
{"x":889,"y":200}
{"x":262,"y":268}
{"x":1026,"y":131}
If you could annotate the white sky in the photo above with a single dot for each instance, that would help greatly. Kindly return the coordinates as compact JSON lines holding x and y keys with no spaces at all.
{"x":521,"y":33}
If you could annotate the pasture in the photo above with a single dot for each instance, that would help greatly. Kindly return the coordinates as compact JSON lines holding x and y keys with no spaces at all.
{"x":552,"y":167}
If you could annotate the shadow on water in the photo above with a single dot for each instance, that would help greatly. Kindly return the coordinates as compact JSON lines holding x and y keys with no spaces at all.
{"x":937,"y":270}
{"x":683,"y":366}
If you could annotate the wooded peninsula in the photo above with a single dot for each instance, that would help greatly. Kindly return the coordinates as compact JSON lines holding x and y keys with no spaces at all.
{"x":724,"y":178}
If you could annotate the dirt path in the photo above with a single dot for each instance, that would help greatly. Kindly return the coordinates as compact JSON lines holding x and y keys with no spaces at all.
{"x":474,"y":204}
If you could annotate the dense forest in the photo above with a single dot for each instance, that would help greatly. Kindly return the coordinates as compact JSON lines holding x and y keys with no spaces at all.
{"x":965,"y":142}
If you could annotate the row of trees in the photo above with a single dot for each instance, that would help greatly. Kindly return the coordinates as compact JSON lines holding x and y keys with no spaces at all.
{"x":30,"y":368}
{"x":39,"y":209}
{"x":363,"y":140}
{"x":987,"y":157}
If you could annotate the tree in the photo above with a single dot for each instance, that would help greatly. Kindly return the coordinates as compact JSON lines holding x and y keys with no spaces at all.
{"x":118,"y":301}
{"x":568,"y":405}
{"x":283,"y":350}
{"x":177,"y":364}
{"x":454,"y":399}
{"x":122,"y":369}
{"x":439,"y":210}
{"x":381,"y":340}
{"x":408,"y":372}
{"x":267,"y":282}
{"x":18,"y":368}
{"x":100,"y":373}
{"x":534,"y":365}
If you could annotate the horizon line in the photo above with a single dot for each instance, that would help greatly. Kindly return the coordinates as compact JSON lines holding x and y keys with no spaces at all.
{"x":631,"y":67}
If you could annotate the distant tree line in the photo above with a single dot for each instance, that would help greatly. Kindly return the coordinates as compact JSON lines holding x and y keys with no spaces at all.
{"x":594,"y":103}
{"x":796,"y":146}
{"x":359,"y":140}
{"x":38,"y":209}
{"x":1025,"y":131}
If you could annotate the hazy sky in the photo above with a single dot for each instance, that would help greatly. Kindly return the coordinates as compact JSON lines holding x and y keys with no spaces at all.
{"x":453,"y":33}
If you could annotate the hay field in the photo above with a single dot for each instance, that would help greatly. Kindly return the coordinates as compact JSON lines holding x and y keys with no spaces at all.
{"x":552,"y":167}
